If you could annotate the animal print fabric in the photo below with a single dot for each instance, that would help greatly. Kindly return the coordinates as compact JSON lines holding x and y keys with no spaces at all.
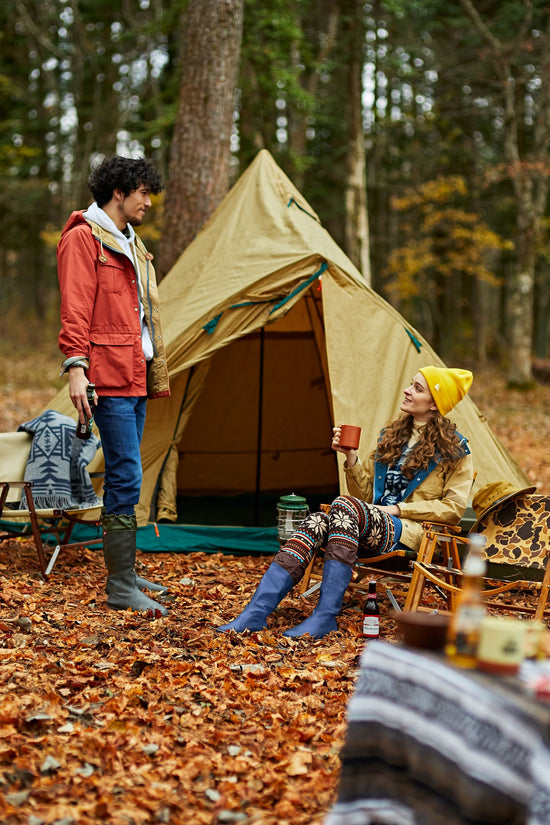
{"x":518,"y":531}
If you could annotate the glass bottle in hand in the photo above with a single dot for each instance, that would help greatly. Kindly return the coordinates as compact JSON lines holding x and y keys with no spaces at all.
{"x":84,"y":430}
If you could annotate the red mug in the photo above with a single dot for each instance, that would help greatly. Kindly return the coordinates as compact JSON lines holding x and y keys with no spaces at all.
{"x":349,"y":437}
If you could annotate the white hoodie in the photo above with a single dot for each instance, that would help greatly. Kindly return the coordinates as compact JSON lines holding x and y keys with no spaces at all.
{"x":96,"y":214}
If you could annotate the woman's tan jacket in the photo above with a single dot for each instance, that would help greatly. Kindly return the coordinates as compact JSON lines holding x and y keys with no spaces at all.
{"x":438,"y":494}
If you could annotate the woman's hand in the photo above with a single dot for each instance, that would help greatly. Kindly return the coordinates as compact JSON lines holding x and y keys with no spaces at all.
{"x":351,"y":455}
{"x":390,"y":509}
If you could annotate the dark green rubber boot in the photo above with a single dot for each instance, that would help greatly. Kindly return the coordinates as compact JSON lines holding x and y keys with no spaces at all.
{"x":119,"y":551}
{"x":143,"y":584}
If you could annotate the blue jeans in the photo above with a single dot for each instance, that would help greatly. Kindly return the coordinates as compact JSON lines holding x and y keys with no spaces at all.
{"x":398,"y":527}
{"x":120,"y":421}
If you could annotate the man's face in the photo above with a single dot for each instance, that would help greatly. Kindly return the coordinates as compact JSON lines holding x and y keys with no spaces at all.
{"x":132,"y":208}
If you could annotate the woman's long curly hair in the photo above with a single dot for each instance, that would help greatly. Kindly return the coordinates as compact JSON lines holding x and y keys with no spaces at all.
{"x":438,"y":439}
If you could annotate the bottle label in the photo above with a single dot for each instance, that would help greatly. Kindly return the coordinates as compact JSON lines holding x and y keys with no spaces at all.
{"x":469,"y":618}
{"x":371,"y":626}
{"x":467,"y":629}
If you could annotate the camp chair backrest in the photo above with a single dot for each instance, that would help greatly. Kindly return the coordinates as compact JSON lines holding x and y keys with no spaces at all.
{"x":517,"y":550}
{"x":518,"y":531}
{"x":14,"y":452}
{"x":50,"y":528}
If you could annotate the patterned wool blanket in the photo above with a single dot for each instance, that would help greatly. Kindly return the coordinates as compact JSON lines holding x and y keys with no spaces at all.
{"x":430,"y":744}
{"x":57,"y":463}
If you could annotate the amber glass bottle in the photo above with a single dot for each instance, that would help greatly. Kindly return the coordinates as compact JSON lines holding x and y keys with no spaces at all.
{"x":465,"y":624}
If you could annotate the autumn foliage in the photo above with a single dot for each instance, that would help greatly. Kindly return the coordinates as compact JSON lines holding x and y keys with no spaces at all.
{"x":109,"y":717}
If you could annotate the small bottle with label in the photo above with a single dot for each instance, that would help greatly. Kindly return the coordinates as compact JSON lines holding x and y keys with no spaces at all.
{"x":465,"y":624}
{"x":84,"y":430}
{"x":371,"y":614}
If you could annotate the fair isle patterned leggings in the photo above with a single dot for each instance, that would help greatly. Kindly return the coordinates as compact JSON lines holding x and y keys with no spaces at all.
{"x":351,"y":528}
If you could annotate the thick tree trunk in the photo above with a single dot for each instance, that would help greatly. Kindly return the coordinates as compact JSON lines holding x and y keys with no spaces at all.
{"x":198,"y":176}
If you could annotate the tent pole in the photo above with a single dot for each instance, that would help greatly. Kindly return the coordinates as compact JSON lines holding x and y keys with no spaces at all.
{"x":153,"y":506}
{"x":318,"y":328}
{"x":259,"y":441}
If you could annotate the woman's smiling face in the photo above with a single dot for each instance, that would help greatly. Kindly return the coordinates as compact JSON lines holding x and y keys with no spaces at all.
{"x":418,"y":400}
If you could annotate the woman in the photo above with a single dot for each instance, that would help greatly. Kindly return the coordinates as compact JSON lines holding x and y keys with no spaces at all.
{"x":421,"y":470}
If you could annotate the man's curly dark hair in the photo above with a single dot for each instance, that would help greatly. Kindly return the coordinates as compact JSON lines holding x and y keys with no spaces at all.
{"x":126,"y":174}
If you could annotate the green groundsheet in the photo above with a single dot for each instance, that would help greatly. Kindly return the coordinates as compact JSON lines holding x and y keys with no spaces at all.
{"x":180,"y":538}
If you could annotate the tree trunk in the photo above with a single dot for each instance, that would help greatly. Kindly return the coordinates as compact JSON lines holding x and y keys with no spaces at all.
{"x":521,"y":305}
{"x":529,"y":182}
{"x":356,"y":215}
{"x":198,"y":176}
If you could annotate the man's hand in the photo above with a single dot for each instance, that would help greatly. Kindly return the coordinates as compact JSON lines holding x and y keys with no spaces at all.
{"x":78,"y":384}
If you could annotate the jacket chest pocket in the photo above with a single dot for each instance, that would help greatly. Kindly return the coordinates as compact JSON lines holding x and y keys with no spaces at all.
{"x":111,"y":276}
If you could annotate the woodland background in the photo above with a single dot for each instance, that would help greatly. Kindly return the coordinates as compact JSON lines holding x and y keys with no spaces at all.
{"x":419,"y":133}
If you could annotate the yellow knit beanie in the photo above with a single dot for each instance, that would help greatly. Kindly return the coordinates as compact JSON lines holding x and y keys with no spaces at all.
{"x":447,"y":386}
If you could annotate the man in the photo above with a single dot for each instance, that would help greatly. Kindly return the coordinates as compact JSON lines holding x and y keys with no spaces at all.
{"x":111,"y":338}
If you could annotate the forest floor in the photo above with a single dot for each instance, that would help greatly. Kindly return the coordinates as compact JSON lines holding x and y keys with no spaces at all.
{"x":107,"y":717}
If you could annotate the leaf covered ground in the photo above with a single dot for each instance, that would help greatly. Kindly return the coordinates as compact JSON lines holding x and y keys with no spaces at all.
{"x":110,"y":717}
{"x":107,"y":717}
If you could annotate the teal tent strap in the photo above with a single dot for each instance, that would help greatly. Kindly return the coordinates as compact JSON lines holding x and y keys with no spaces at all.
{"x":213,"y":323}
{"x":414,"y":339}
{"x":292,"y":201}
{"x":300,"y":288}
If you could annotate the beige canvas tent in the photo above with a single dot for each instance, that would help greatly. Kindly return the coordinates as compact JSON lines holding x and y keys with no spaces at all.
{"x":271,"y":335}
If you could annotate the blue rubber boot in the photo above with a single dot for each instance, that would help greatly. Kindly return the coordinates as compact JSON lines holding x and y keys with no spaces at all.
{"x":336,"y":577}
{"x":273,"y":586}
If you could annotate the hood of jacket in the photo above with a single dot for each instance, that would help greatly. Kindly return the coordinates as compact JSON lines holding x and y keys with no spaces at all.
{"x":111,"y":237}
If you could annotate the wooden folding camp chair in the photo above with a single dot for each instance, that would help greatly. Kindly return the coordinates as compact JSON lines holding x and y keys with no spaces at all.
{"x":438,"y":561}
{"x":517,"y":552}
{"x":50,"y":528}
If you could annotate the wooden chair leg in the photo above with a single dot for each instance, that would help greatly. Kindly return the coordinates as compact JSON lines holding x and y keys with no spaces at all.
{"x":544,"y":590}
{"x":434,"y":535}
{"x":36,"y":530}
{"x":450,"y":560}
{"x":416,"y":587}
{"x":304,"y":583}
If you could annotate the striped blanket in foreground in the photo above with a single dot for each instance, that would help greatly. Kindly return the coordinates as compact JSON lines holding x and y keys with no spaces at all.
{"x":429,"y":744}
